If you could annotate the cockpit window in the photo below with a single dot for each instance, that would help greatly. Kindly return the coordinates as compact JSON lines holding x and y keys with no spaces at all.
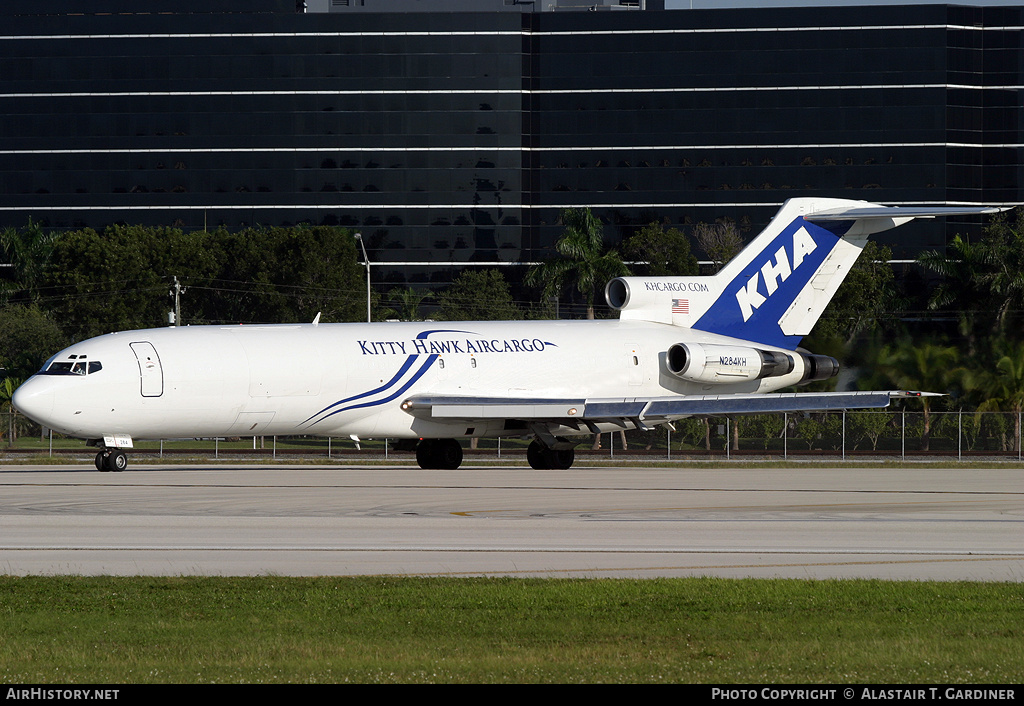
{"x":59,"y":368}
{"x":73,"y":367}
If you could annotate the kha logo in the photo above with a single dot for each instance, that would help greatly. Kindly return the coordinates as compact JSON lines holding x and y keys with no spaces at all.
{"x":749,"y":296}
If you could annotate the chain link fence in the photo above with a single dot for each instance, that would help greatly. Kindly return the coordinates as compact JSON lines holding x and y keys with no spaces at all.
{"x":890,"y":433}
{"x":880,"y":432}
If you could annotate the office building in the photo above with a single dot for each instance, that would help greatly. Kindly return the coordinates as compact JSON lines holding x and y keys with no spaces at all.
{"x":454,"y":131}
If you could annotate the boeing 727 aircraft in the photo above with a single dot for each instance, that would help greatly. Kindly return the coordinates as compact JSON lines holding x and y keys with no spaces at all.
{"x":681,"y":347}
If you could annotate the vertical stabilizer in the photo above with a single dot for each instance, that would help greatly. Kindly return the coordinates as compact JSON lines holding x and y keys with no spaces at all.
{"x":776,"y":288}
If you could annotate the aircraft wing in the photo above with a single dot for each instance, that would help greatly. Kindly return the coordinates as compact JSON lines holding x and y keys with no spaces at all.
{"x":645,"y":413}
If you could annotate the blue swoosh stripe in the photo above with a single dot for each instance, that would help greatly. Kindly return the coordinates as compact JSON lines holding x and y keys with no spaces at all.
{"x":394,"y":395}
{"x":402,"y":371}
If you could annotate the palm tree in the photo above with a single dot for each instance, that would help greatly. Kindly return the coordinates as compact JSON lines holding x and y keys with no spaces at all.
{"x":981,"y":280}
{"x":583,"y":264}
{"x":1007,"y":279}
{"x":965,"y":269}
{"x":1002,"y":384}
{"x":27,"y":251}
{"x":404,"y":304}
{"x":922,"y":366}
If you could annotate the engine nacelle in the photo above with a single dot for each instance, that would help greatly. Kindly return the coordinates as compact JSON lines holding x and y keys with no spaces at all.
{"x":819,"y":367}
{"x":708,"y":363}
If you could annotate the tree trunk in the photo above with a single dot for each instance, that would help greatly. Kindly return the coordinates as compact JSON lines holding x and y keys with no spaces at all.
{"x":1016,"y":430}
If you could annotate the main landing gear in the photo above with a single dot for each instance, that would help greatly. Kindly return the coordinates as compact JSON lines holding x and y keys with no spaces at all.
{"x":447,"y":454}
{"x":439,"y":454}
{"x":542,"y":458}
{"x":111,"y":460}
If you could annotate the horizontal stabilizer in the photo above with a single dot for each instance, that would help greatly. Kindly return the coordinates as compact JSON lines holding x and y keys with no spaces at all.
{"x":858,"y":213}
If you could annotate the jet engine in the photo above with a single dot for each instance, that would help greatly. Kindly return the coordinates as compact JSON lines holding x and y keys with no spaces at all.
{"x":711,"y":363}
{"x":724,"y":364}
{"x":818,"y":367}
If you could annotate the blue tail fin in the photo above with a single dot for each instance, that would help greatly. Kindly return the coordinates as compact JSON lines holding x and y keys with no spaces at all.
{"x":774,"y":291}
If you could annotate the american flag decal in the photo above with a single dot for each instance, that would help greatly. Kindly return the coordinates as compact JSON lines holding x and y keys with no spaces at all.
{"x":680,"y":306}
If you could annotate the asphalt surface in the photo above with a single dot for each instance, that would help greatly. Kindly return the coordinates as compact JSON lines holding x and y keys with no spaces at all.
{"x":254,"y":519}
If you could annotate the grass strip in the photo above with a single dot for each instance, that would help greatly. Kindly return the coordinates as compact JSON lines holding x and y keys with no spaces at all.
{"x":413,"y":630}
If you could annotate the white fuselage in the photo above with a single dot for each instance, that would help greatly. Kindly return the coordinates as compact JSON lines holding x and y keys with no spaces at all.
{"x":680,"y":341}
{"x":350,"y":379}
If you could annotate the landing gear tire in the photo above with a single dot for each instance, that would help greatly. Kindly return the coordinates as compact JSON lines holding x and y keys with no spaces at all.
{"x":118,"y":461}
{"x":542,"y":458}
{"x":425,"y":453}
{"x":535,"y":454}
{"x":111,"y":460}
{"x":562,"y":459}
{"x":443,"y":454}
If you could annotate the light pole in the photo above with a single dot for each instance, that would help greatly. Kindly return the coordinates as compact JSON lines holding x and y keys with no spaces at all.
{"x":366,"y":259}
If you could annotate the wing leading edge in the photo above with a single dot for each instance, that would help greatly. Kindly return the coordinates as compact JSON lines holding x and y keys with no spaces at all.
{"x":644,"y":413}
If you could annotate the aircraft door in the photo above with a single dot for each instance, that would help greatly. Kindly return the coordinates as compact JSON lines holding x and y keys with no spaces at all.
{"x":150,"y":370}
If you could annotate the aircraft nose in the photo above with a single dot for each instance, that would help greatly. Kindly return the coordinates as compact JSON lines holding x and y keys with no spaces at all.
{"x":34,"y":398}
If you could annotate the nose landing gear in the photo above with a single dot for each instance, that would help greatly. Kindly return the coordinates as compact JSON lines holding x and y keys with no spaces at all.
{"x":111,"y":460}
{"x":110,"y":456}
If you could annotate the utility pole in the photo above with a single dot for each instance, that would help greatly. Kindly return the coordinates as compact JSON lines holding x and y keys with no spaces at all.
{"x":176,"y":292}
{"x":366,"y":259}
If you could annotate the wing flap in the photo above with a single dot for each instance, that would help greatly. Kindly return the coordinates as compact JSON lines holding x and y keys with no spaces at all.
{"x":645,"y":411}
{"x":439,"y":407}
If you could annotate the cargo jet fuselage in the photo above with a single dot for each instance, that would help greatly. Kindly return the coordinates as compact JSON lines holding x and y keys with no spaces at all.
{"x":682,"y":347}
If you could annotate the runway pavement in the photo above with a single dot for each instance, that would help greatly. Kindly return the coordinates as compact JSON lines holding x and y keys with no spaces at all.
{"x":586,"y":522}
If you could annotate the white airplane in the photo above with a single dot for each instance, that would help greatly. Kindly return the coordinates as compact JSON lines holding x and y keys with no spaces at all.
{"x":681,"y":347}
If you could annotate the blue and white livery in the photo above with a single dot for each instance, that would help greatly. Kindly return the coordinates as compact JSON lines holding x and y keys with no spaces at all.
{"x":681,"y":347}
